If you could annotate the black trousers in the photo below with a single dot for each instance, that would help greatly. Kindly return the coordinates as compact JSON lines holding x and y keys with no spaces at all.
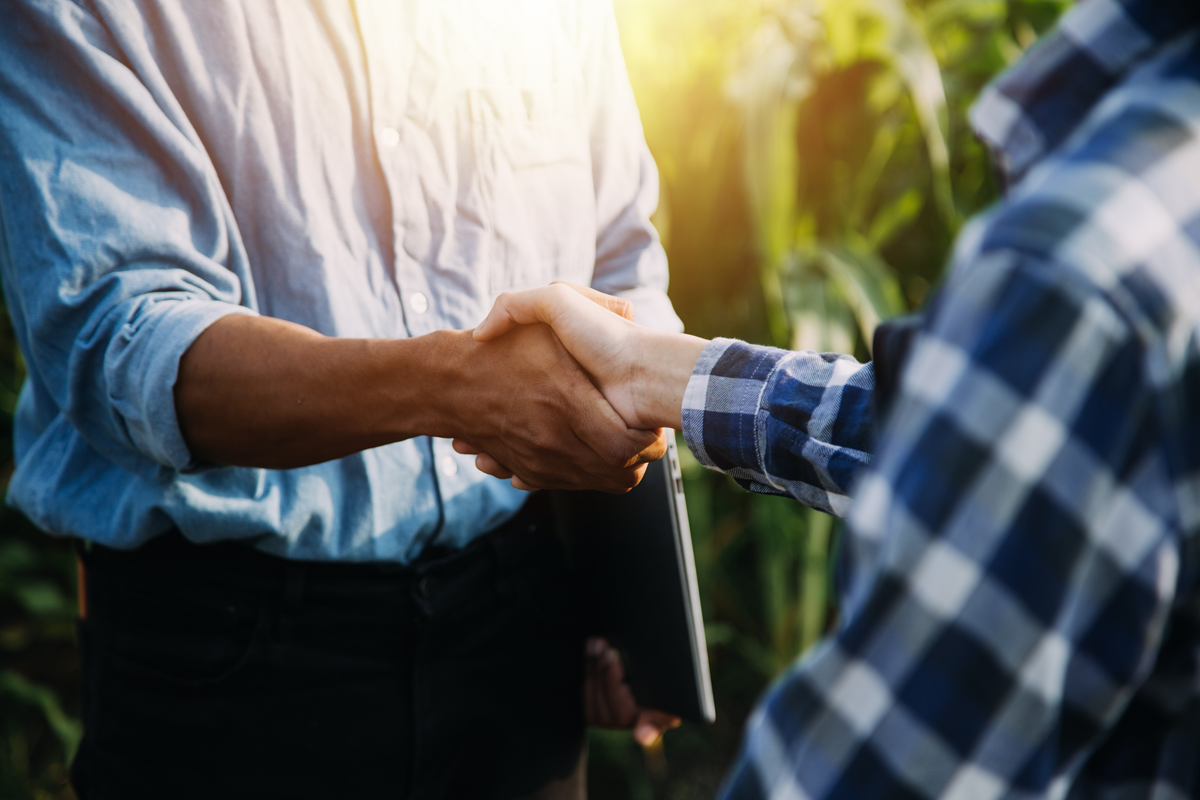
{"x":221,"y":672}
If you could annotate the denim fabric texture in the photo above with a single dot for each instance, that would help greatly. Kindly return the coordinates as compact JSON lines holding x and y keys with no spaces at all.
{"x":373,"y":169}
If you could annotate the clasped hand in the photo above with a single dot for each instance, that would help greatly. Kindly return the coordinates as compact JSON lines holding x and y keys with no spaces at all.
{"x":530,"y":414}
{"x":642,"y":373}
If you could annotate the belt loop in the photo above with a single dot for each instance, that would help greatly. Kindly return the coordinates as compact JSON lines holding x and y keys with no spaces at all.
{"x":293,"y":587}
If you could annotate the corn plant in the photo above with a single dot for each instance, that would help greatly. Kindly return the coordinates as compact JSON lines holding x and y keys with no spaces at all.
{"x":848,"y":146}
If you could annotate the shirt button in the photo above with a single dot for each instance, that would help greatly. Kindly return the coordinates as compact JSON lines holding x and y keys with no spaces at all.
{"x":389,"y":137}
{"x":418,"y":302}
{"x":449,"y":466}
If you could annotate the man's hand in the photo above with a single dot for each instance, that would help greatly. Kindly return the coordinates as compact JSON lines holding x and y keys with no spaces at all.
{"x":608,"y":702}
{"x":525,"y":402}
{"x":260,"y":392}
{"x":596,"y":328}
{"x":642,"y":372}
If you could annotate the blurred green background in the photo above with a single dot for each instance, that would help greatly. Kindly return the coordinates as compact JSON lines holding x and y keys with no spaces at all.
{"x":816,"y":164}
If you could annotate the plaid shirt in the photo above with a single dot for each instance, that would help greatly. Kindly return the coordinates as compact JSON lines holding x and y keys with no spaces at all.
{"x":1022,"y":617}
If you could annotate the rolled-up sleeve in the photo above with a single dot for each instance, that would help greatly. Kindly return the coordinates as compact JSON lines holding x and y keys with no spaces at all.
{"x":795,"y":423}
{"x":630,"y":260}
{"x":118,"y":245}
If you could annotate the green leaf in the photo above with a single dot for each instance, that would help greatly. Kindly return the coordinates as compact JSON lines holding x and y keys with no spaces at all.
{"x":66,"y":728}
{"x":964,"y":12}
{"x":909,"y":53}
{"x":774,"y":77}
{"x":778,"y":532}
{"x":42,"y":598}
{"x":821,"y":319}
{"x":16,"y":556}
{"x":719,"y":633}
{"x":882,"y":147}
{"x":814,"y":599}
{"x":894,"y":216}
{"x":867,"y":285}
{"x":757,"y":655}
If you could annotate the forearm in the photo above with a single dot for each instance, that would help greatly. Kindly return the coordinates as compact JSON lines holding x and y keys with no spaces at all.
{"x":660,"y":376}
{"x":262,"y":392}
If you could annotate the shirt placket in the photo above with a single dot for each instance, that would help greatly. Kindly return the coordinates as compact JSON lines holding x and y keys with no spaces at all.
{"x":387,"y":28}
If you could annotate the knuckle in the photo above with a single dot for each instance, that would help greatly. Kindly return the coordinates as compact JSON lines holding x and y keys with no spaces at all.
{"x":634,"y":478}
{"x":623,"y":481}
{"x":617,"y":456}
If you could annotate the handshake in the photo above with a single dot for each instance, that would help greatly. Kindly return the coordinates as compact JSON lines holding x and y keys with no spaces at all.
{"x":620,"y":384}
{"x":589,"y":392}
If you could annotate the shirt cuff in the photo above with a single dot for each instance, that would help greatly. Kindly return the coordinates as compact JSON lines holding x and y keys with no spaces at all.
{"x":142,"y":367}
{"x":722,"y":401}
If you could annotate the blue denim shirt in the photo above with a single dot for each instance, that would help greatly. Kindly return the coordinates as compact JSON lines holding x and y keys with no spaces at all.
{"x":377,"y":169}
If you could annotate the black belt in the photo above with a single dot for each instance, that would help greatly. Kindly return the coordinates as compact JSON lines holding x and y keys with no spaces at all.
{"x":526,"y":542}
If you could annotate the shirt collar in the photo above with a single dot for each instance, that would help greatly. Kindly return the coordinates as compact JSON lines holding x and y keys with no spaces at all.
{"x":1034,"y":106}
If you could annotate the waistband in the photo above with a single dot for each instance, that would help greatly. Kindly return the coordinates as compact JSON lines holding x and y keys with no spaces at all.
{"x":526,"y":544}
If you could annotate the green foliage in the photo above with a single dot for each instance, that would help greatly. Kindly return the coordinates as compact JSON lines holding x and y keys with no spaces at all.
{"x":38,"y":663}
{"x":68,"y":730}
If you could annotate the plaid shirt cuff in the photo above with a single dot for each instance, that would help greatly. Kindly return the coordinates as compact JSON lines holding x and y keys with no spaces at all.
{"x":722,"y":402}
{"x":781,"y":422}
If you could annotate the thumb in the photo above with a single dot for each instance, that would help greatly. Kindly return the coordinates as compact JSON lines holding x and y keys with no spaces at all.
{"x":617,"y":305}
{"x":516,"y":308}
{"x":651,"y":725}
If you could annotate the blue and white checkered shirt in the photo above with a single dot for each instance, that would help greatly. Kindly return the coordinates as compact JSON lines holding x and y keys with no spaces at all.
{"x":1022,"y":617}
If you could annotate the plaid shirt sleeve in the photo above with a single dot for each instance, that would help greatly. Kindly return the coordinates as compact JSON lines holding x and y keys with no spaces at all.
{"x":781,"y":422}
{"x":1027,"y":571}
{"x":1022,"y":620}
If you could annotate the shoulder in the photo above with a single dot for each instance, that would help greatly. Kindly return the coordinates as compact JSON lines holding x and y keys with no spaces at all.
{"x":1116,"y":210}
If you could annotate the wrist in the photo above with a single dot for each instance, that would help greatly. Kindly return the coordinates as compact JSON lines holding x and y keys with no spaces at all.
{"x":444,"y":380}
{"x":664,"y":368}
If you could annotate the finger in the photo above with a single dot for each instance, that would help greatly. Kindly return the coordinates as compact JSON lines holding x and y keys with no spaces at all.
{"x":623,"y":450}
{"x":490,"y":466}
{"x":466,"y":448}
{"x":545,"y":304}
{"x":603,"y":711}
{"x":579,"y":466}
{"x":651,"y":725}
{"x":603,"y":430}
{"x":611,"y":683}
{"x":591,"y":683}
{"x":522,"y":485}
{"x":617,"y":305}
{"x":595,"y":707}
{"x":622,"y":707}
{"x":591,"y":471}
{"x":657,"y":448}
{"x":521,"y":308}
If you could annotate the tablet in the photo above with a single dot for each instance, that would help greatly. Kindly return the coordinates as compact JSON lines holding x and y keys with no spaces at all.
{"x":632,"y":554}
